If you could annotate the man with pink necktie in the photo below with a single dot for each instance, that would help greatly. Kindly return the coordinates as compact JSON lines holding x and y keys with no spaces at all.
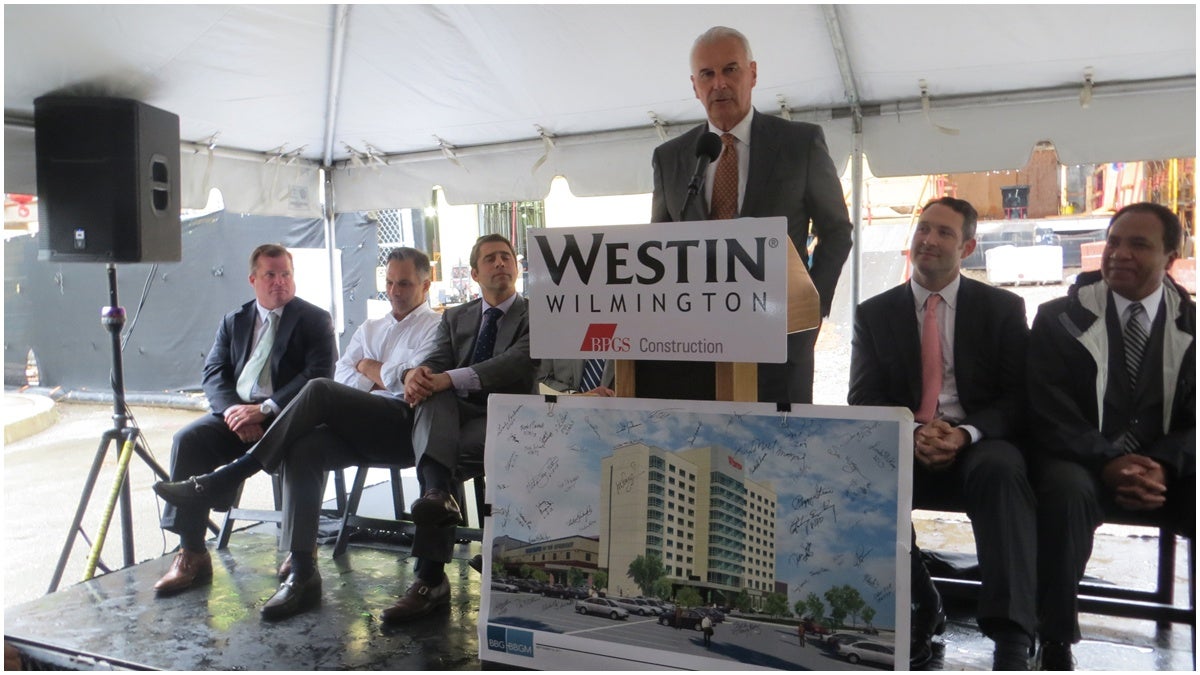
{"x":952,"y":350}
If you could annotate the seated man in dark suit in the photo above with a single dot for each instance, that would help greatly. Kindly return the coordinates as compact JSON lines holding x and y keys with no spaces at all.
{"x":482,"y":348}
{"x":360,"y":417}
{"x":1112,"y":394}
{"x":952,"y":350}
{"x":593,"y":377}
{"x":264,"y":353}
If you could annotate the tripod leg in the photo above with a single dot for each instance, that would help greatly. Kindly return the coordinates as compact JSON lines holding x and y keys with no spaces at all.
{"x":113,"y":496}
{"x":131,"y":436}
{"x":84,"y":497}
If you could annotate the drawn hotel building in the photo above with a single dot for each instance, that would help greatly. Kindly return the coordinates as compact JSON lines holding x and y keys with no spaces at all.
{"x":712,"y":526}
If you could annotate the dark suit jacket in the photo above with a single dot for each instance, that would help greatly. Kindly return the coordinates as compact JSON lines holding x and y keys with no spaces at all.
{"x":310,"y":351}
{"x":791,"y":174}
{"x":509,"y":371}
{"x":990,"y":340}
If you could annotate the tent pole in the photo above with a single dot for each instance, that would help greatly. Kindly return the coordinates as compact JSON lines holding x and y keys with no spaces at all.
{"x":856,"y":191}
{"x":329,"y":217}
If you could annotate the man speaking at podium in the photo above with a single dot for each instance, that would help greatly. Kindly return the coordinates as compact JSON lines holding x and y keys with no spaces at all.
{"x":767,"y":166}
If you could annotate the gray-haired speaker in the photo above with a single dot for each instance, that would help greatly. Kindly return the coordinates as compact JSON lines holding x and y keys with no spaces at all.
{"x":107,"y":180}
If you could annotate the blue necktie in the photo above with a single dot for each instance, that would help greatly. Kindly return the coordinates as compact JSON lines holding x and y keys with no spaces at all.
{"x":486,"y":343}
{"x":593,"y":370}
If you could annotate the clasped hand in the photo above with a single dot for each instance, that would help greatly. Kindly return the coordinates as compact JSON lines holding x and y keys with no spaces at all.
{"x":420,"y":383}
{"x":247,"y":421}
{"x":1139,"y":483}
{"x":936,"y":444}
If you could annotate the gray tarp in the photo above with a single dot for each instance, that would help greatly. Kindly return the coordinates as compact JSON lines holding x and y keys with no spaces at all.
{"x":55,"y":309}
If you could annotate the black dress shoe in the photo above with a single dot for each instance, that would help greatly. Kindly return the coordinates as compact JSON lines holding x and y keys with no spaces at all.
{"x":436,"y":509}
{"x":294,"y":596}
{"x":195,"y":491}
{"x":1055,"y":656}
{"x":926,"y":622}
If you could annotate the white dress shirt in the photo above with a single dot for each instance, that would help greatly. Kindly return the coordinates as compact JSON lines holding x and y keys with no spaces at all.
{"x":399,"y":345}
{"x":1149,"y":303}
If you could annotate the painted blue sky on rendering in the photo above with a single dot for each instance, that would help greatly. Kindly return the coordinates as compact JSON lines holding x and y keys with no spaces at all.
{"x":835,"y":477}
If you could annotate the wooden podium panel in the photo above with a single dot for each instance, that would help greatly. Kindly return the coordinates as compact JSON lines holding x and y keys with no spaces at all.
{"x":739,"y":381}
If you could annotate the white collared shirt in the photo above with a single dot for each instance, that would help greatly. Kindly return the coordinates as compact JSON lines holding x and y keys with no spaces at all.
{"x":1150,"y":303}
{"x":741,"y":131}
{"x":399,"y":345}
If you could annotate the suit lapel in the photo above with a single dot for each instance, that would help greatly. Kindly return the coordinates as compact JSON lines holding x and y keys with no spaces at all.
{"x":283,"y":334}
{"x":762,"y":158}
{"x":908,"y":341}
{"x":243,"y":336}
{"x":697,"y":209}
{"x":507,"y":332}
{"x":968,"y":319}
{"x":467,"y":331}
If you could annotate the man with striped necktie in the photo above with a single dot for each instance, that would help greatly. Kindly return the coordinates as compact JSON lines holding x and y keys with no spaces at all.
{"x":593,"y":377}
{"x":1112,"y":392}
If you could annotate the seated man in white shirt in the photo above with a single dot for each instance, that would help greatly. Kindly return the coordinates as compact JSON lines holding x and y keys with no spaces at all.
{"x":360,"y":417}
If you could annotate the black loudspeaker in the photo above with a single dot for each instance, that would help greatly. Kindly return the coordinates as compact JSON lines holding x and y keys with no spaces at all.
{"x":107,"y":180}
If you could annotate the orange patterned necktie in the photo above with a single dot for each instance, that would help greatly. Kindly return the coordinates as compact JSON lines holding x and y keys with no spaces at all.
{"x":725,"y":182}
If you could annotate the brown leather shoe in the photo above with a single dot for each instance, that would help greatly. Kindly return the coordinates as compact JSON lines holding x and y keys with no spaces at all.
{"x":436,"y":509}
{"x":188,"y":569}
{"x":421,"y":599}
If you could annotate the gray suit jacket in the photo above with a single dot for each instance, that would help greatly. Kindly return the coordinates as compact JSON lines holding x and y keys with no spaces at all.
{"x":791,"y":174}
{"x":509,"y":371}
{"x":566,"y":374}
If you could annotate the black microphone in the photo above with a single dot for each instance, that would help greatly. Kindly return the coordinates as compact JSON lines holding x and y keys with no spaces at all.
{"x":708,"y":148}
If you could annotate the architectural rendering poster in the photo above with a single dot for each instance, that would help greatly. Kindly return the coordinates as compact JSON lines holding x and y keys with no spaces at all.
{"x":622,"y":528}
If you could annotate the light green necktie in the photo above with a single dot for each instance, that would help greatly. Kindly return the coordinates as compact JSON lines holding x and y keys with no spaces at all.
{"x":258,"y":364}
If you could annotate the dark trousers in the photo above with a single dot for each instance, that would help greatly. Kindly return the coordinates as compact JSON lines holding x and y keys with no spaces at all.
{"x":990,"y":482}
{"x":791,"y":381}
{"x":450,"y":431}
{"x":1072,"y":503}
{"x":198,"y":448}
{"x":329,"y":426}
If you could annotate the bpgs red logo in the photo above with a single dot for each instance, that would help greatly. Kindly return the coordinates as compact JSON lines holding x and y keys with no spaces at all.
{"x":600,"y":338}
{"x":734,"y":463}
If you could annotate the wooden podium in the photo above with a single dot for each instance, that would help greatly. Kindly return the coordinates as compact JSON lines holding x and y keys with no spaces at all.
{"x":739,"y":381}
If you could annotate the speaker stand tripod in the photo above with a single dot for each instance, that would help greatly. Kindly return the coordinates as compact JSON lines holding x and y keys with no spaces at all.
{"x":126,"y":437}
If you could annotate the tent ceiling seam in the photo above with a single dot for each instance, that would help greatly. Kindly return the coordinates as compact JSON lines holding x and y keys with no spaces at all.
{"x":869,"y":109}
{"x":336,"y":59}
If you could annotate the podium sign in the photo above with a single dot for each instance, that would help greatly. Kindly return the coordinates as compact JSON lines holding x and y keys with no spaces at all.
{"x":691,"y":291}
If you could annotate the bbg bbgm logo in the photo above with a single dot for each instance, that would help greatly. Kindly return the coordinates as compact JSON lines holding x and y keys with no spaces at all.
{"x":510,"y":640}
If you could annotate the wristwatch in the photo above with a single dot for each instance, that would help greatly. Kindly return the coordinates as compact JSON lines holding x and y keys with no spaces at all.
{"x":265,"y":410}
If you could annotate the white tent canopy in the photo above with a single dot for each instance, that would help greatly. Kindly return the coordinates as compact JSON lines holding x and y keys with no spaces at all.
{"x":399,"y":98}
